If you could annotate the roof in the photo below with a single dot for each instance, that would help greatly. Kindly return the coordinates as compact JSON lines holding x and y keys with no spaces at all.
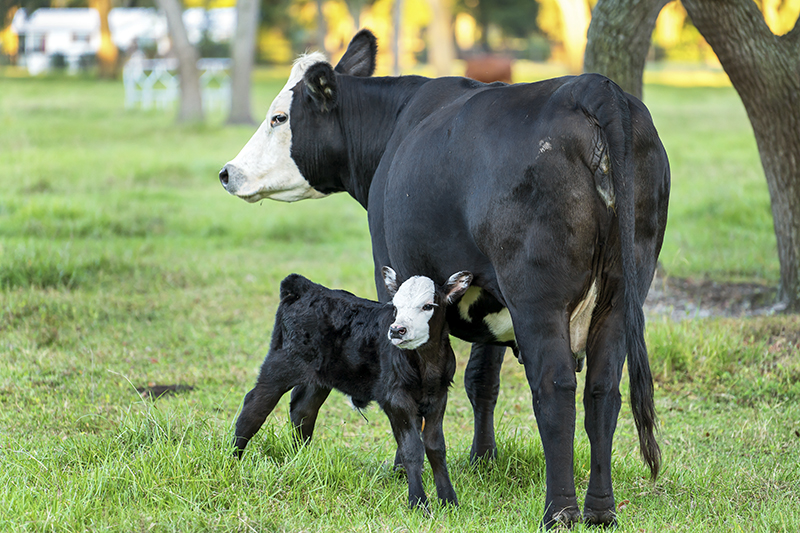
{"x":73,"y":19}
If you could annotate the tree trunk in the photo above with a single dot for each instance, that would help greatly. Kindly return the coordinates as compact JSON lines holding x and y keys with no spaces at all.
{"x":243,"y":53}
{"x":108,"y":53}
{"x":191,"y":105}
{"x":619,"y":38}
{"x":441,"y":47}
{"x":765,"y":71}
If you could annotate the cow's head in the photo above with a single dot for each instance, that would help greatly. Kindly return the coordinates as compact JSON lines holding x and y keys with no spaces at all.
{"x":420,"y":307}
{"x":301,"y":134}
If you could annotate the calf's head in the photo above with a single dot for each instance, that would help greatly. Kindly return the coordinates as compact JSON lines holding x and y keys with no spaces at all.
{"x":419,"y":306}
{"x":298,"y":151}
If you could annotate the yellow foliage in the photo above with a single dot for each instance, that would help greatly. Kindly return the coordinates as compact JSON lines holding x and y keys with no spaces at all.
{"x":465,"y":30}
{"x":780,"y":15}
{"x":209,"y":4}
{"x":274,"y":47}
{"x":9,"y":42}
{"x":669,"y":25}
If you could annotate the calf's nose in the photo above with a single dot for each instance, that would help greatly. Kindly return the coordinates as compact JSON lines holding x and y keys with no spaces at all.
{"x":223,"y":176}
{"x":397,"y":332}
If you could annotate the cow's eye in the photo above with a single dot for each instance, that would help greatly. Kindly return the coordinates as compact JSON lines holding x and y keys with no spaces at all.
{"x":427,"y":307}
{"x":278,"y":119}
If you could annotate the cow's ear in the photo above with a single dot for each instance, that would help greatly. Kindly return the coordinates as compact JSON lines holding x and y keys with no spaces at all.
{"x":456,"y":286}
{"x":320,"y":86}
{"x":359,"y":59}
{"x":390,"y":280}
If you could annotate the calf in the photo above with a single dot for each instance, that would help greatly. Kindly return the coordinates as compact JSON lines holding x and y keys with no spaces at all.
{"x":396,"y":354}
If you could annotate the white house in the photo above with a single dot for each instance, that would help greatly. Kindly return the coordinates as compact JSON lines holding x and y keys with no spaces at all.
{"x":74,"y":32}
{"x":70,"y":32}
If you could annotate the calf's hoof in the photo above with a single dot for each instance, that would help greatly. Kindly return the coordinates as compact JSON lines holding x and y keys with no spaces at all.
{"x":482,"y":454}
{"x":563,"y":518}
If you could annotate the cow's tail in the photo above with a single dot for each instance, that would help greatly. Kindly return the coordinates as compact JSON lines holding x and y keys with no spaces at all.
{"x":606,"y":102}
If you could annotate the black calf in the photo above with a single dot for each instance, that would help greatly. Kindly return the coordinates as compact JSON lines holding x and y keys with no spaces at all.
{"x":396,"y":354}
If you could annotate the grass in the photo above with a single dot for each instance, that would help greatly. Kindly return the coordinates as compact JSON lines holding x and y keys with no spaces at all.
{"x":124,"y":264}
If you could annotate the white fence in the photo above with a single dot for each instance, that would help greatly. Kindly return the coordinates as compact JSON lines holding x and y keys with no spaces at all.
{"x":155,"y":83}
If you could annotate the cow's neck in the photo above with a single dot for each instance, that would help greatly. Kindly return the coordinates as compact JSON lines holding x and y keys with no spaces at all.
{"x":371,"y":109}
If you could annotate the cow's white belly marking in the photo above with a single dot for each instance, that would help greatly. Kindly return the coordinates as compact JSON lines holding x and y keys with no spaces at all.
{"x":502,"y":328}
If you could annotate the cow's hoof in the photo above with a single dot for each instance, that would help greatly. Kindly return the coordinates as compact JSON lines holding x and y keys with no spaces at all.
{"x":599,"y":511}
{"x":563,"y":519}
{"x":600,"y":517}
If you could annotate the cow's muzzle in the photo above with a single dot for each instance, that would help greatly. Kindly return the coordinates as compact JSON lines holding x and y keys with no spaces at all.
{"x":232,"y":179}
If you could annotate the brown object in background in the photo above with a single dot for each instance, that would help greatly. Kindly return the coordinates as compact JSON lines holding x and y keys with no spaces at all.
{"x":489,"y":68}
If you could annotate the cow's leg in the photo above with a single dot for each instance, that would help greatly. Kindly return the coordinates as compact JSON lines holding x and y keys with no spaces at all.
{"x":550,"y":369}
{"x":274,"y":380}
{"x":410,"y":450}
{"x":433,"y":438}
{"x":304,"y":408}
{"x":482,"y":383}
{"x":601,"y":400}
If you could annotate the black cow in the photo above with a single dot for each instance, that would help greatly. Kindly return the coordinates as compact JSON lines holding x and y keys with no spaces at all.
{"x":397,"y":354}
{"x":553,"y":194}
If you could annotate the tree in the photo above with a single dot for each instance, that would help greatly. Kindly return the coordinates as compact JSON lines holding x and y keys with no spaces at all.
{"x":441,"y":47}
{"x":764,"y":68}
{"x":516,"y":18}
{"x":107,"y":54}
{"x":243,"y":52}
{"x":191,"y":105}
{"x":619,"y":38}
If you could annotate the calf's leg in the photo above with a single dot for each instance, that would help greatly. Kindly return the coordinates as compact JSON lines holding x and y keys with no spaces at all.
{"x":482,"y":383}
{"x":304,"y":408}
{"x":274,"y":380}
{"x":410,"y":450}
{"x":435,"y":449}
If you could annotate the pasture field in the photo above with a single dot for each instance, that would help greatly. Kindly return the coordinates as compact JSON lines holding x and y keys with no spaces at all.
{"x":124,"y":264}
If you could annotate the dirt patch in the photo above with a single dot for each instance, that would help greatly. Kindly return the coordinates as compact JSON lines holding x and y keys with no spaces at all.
{"x":687,"y":298}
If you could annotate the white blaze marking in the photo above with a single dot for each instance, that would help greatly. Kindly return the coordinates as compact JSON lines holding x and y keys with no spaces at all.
{"x":266,"y":161}
{"x":411,"y":296}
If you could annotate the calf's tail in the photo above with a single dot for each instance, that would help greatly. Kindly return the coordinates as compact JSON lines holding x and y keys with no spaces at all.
{"x":608,"y":105}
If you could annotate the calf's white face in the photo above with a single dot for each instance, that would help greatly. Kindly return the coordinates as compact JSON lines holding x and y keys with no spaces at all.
{"x":414,"y":302}
{"x":264,"y":168}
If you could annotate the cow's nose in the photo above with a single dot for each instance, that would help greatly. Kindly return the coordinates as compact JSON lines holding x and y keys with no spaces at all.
{"x":397,"y":332}
{"x":223,"y":176}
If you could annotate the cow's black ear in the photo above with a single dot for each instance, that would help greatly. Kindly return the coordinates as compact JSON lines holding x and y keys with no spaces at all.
{"x":320,"y":82}
{"x":390,"y":280}
{"x":457,"y":285}
{"x":359,"y":59}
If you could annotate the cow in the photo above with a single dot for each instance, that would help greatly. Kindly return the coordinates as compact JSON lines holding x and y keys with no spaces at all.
{"x":396,"y":354}
{"x":553,"y":194}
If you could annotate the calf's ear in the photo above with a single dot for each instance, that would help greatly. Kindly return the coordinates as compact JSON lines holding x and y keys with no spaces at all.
{"x":390,"y":280}
{"x":359,"y":59}
{"x":320,"y":86}
{"x":457,"y":285}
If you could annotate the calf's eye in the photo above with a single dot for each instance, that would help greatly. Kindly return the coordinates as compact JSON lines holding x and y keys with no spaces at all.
{"x":427,"y":307}
{"x":278,"y":119}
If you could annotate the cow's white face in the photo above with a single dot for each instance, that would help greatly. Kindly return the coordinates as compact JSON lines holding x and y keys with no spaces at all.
{"x":415,"y":306}
{"x":264,"y":168}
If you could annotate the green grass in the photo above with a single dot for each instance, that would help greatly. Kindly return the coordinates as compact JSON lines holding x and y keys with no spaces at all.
{"x":123,"y":263}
